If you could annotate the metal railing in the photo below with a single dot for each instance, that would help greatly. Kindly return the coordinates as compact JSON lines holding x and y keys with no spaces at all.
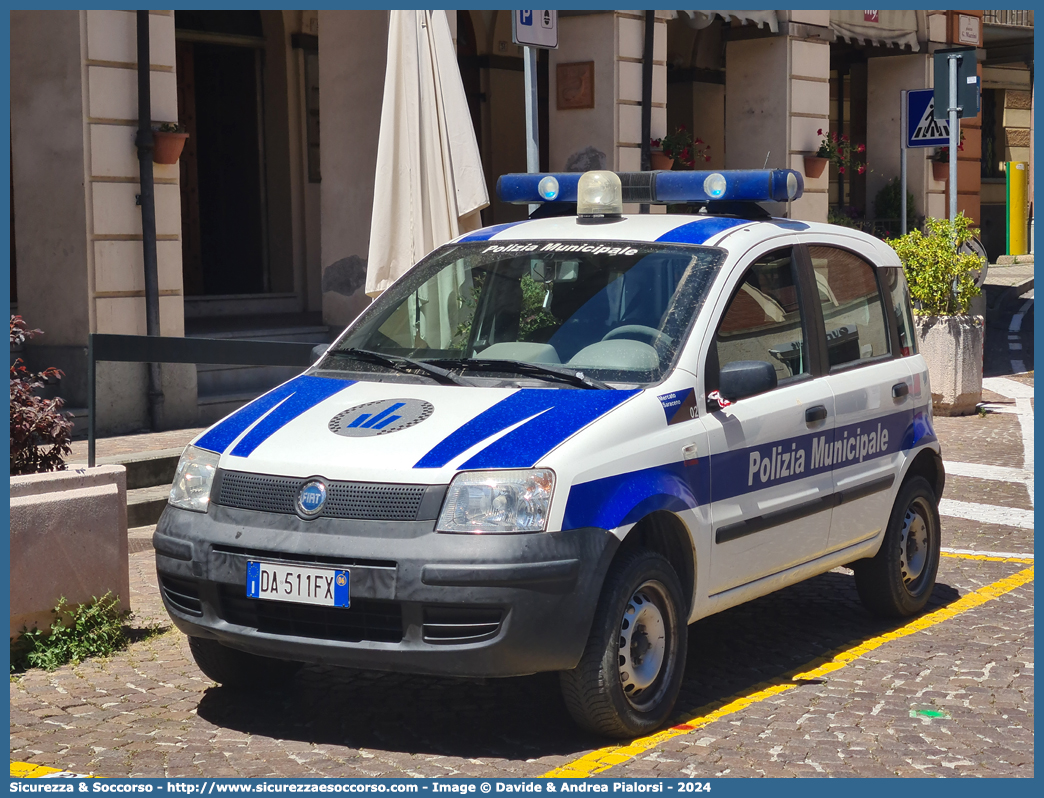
{"x":159,"y":349}
{"x":1015,"y":19}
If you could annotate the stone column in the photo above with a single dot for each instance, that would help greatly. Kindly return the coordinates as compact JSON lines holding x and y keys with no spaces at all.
{"x":74,"y":112}
{"x":777,"y":96}
{"x":352,"y":56}
{"x":886,"y":79}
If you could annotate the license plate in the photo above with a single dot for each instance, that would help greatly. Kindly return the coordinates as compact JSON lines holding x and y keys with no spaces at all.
{"x":299,"y":584}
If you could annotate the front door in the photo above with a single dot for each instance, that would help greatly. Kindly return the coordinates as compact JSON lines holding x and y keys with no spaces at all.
{"x":770,"y":504}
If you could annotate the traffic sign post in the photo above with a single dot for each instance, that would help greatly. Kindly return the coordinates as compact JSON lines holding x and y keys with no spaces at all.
{"x":533,"y":29}
{"x":919,"y":129}
{"x":956,"y":85}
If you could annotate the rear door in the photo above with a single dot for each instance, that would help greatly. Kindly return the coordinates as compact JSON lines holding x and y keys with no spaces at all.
{"x":770,"y":506}
{"x":869,"y":383}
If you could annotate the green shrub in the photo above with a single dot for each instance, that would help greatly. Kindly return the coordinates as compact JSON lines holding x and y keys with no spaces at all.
{"x":86,"y":630}
{"x":887,"y":204}
{"x":940,"y":277}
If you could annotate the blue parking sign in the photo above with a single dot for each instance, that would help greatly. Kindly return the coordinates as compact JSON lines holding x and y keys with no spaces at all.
{"x":525,"y":17}
{"x":922,"y":128}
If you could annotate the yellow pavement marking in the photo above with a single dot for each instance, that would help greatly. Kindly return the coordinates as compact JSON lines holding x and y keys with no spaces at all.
{"x":27,"y":770}
{"x":1023,"y":560}
{"x":604,"y":758}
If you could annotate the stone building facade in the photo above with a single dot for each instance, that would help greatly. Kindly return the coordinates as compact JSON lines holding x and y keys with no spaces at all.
{"x":263,"y":226}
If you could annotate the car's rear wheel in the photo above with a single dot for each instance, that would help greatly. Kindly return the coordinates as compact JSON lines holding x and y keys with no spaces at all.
{"x":630,"y":673}
{"x":898,"y":581}
{"x":239,"y":669}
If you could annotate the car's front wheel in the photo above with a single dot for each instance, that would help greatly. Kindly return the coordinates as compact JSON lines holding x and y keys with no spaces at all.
{"x":898,"y":581}
{"x":239,"y":669}
{"x":630,"y":673}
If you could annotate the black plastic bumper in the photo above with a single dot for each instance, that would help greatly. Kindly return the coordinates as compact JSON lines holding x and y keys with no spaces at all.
{"x":422,"y":602}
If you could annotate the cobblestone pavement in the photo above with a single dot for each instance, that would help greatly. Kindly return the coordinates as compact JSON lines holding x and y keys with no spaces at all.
{"x":953,"y":698}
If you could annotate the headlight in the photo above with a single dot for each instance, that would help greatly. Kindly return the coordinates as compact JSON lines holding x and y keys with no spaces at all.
{"x":193,"y":479}
{"x":498,"y":501}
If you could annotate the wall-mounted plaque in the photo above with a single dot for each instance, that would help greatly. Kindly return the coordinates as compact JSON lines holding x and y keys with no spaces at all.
{"x":575,"y":84}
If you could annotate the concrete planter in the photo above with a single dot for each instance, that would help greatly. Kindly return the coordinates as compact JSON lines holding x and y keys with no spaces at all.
{"x":68,"y":538}
{"x":952,"y":348}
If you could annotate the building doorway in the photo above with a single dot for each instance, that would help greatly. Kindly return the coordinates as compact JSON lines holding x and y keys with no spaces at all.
{"x":220,"y":68}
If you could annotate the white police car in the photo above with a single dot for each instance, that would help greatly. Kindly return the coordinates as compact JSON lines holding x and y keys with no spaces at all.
{"x":554,"y":444}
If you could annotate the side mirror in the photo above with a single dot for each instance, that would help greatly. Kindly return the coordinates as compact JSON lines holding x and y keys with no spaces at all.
{"x":317,"y":352}
{"x":744,"y":378}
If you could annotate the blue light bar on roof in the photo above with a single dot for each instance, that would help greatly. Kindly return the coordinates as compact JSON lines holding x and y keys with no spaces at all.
{"x":731,"y":185}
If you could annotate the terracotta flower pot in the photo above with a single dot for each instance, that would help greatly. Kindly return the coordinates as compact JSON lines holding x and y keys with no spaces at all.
{"x":660,"y":162}
{"x":814,"y":165}
{"x":167,"y":147}
{"x":940,"y":170}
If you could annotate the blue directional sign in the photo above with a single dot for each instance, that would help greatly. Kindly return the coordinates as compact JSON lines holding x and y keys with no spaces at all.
{"x":922,"y":128}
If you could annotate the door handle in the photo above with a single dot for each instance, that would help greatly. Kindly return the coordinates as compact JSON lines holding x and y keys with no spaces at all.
{"x":815,"y":414}
{"x":899,"y":390}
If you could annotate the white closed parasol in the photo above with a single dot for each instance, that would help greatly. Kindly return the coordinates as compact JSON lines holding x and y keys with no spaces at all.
{"x":429,"y":186}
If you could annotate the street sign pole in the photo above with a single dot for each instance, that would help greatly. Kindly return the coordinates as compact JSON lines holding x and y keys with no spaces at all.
{"x":532,"y":122}
{"x":955,"y":133}
{"x":533,"y":30}
{"x":902,"y":161}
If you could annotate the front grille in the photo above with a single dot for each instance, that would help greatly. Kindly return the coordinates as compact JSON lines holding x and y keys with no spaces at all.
{"x":460,"y":624}
{"x":366,"y":619}
{"x":358,"y":500}
{"x":183,"y":595}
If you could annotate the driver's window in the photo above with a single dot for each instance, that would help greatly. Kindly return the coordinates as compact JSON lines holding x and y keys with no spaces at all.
{"x":763,"y":321}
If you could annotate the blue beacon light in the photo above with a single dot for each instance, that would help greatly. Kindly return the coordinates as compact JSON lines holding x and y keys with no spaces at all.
{"x":547,"y":188}
{"x":731,"y":185}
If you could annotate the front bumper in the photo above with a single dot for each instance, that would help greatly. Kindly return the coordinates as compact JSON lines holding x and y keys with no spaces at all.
{"x":422,"y":602}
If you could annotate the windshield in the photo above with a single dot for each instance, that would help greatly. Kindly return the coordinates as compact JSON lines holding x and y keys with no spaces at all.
{"x":616,"y":311}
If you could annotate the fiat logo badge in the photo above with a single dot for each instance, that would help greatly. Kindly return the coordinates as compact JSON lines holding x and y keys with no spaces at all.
{"x":311,"y":498}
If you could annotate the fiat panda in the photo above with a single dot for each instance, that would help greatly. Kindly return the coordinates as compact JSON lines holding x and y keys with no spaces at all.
{"x":553,"y":445}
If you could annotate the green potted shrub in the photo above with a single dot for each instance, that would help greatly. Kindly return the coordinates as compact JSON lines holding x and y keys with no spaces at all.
{"x":942,"y":286}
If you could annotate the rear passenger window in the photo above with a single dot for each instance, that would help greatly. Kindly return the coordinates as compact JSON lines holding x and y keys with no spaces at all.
{"x":895,"y":284}
{"x":763,"y":321}
{"x":856,"y":329}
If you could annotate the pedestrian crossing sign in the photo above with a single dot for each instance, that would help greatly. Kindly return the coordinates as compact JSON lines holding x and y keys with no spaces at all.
{"x":922,"y":128}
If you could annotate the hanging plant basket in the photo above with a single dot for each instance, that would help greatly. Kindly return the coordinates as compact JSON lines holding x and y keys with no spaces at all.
{"x":660,"y":162}
{"x":814,"y":166}
{"x":940,"y":170}
{"x":167,"y":147}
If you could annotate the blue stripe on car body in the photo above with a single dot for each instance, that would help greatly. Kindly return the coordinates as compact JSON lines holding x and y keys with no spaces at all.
{"x":610,"y":502}
{"x":699,"y":231}
{"x":555,"y":415}
{"x":300,"y":394}
{"x":487,"y":233}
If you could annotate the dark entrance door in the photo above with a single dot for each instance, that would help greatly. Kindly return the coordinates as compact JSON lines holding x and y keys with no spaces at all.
{"x":222,"y":186}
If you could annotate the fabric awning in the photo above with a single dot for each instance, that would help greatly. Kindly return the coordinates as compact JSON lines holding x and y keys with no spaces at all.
{"x":429,"y":186}
{"x":892,"y":28}
{"x":702,"y":19}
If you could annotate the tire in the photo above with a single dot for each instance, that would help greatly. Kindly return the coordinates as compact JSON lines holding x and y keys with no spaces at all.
{"x":630,"y":673}
{"x":897,"y":582}
{"x":238,"y":669}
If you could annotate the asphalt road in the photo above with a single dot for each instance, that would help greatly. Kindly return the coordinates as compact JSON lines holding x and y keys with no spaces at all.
{"x":1009,"y":336}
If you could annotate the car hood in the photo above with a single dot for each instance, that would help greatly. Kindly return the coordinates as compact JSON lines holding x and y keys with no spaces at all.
{"x":400,"y":432}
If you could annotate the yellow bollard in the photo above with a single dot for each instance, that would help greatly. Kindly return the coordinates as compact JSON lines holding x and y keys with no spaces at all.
{"x":1016,"y":179}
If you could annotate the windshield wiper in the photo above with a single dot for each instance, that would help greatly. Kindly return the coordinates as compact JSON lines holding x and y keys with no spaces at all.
{"x":565,"y":374}
{"x":401,"y":364}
